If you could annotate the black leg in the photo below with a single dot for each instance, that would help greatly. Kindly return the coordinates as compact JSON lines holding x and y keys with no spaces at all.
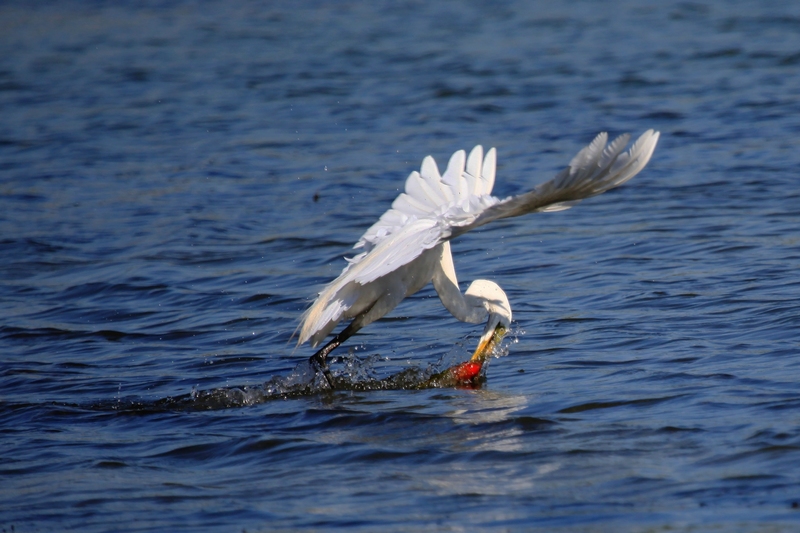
{"x":319,"y":359}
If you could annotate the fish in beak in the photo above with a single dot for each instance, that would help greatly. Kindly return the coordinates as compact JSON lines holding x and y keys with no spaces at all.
{"x":493,"y":333}
{"x":466,"y":373}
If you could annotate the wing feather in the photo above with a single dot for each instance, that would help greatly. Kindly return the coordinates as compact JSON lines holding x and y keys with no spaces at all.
{"x":398,"y":249}
{"x":430,"y":172}
{"x":594,"y":170}
{"x":389,"y":255}
{"x":488,"y":171}
{"x":453,"y":177}
{"x":426,"y":192}
{"x":473,"y":171}
{"x":409,"y":205}
{"x":421,"y":189}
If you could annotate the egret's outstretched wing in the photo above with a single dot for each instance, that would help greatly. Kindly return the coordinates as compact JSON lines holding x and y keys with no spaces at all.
{"x":428,"y":193}
{"x":436,"y":208}
{"x":596,"y":169}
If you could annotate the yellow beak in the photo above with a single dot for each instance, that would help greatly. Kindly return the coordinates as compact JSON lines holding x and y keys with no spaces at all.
{"x":491,"y":337}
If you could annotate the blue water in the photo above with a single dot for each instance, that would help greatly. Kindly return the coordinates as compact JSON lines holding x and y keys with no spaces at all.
{"x":177,"y":179}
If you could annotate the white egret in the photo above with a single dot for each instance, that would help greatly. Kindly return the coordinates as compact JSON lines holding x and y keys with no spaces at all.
{"x":409,"y":245}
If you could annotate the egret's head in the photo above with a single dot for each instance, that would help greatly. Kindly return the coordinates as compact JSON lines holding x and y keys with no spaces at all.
{"x":495,"y":302}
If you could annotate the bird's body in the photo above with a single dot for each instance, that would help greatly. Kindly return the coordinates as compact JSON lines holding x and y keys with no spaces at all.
{"x":408,"y":247}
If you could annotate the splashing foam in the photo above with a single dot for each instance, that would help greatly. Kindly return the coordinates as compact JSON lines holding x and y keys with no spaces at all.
{"x":351,"y":373}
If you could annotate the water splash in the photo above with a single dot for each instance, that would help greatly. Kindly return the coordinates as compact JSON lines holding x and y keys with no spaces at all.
{"x":350,"y":372}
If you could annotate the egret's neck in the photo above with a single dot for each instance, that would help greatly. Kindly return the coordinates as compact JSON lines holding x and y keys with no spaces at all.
{"x":466,"y":308}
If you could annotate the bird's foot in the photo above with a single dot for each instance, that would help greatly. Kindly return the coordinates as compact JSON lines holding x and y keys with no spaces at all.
{"x":320,"y":365}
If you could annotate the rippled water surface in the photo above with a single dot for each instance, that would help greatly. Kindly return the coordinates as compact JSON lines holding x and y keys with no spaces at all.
{"x":178,"y":179}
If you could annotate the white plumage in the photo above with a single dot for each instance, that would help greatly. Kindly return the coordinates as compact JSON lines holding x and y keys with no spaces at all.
{"x":409,"y":245}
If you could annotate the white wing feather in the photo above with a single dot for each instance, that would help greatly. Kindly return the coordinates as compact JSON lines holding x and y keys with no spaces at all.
{"x":426,"y":192}
{"x":596,"y":169}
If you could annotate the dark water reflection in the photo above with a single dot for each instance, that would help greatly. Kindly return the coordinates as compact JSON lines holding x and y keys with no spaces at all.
{"x":176,"y":181}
